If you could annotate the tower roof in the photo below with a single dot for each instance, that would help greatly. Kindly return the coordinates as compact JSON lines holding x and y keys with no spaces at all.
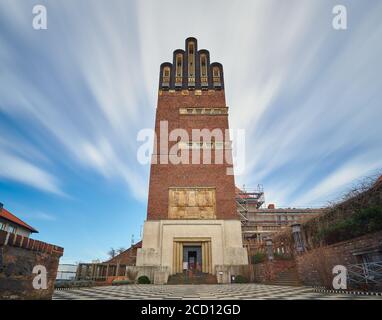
{"x":191,"y":70}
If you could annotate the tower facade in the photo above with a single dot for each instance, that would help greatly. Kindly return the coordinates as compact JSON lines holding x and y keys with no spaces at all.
{"x":192,"y":223}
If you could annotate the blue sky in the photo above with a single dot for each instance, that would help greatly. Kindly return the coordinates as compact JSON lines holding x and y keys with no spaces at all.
{"x":73,"y":98}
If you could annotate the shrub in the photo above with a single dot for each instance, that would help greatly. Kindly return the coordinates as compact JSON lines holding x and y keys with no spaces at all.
{"x":120,"y":282}
{"x":363,"y":221}
{"x":144,"y":280}
{"x":259,"y":257}
{"x":240,"y":279}
{"x":282,"y":256}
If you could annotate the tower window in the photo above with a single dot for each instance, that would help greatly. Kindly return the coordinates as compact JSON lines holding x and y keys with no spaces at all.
{"x":166,"y":77}
{"x":179,"y":69}
{"x":216,"y":76}
{"x":216,"y":72}
{"x":203,"y":71}
{"x":191,"y":65}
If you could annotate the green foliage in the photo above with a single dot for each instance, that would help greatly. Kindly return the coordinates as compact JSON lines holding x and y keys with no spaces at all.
{"x":282,"y":256}
{"x":364,"y":221}
{"x":240,"y":279}
{"x":120,"y":282}
{"x":144,"y":280}
{"x":259,"y":257}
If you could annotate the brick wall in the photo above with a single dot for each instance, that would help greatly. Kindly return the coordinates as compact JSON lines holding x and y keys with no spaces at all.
{"x":18,"y":256}
{"x":315,"y":266}
{"x":268,"y":271}
{"x":127,"y":257}
{"x":163,"y":176}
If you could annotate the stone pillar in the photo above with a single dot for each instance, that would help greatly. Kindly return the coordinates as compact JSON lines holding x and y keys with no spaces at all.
{"x":269,"y":245}
{"x":297,"y":236}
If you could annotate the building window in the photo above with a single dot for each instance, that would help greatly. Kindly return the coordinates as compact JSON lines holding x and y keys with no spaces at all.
{"x":191,"y":64}
{"x":219,"y":145}
{"x":216,"y":72}
{"x":200,"y":145}
{"x":216,"y":76}
{"x":2,"y":225}
{"x":166,"y":77}
{"x":203,"y":110}
{"x":12,"y":229}
{"x":203,"y":70}
{"x":179,"y":69}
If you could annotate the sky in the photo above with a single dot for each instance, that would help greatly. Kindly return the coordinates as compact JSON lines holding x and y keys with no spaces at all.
{"x":73,"y":98}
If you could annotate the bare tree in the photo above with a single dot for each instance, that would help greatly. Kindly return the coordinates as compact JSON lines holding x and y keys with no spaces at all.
{"x":112,"y":253}
{"x":121,"y":249}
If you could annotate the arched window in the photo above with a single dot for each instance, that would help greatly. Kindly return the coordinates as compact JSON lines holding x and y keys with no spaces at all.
{"x":216,"y":76}
{"x":203,"y":70}
{"x":166,"y":77}
{"x":179,"y":69}
{"x":191,"y":64}
{"x":216,"y":72}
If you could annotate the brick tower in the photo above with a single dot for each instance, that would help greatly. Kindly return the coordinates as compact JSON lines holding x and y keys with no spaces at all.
{"x":192,"y":223}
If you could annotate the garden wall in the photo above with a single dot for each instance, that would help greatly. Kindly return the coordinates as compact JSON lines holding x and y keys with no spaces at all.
{"x":18,"y":256}
{"x":315,"y":266}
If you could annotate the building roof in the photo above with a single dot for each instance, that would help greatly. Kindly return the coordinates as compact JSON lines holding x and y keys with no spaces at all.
{"x":290,"y":210}
{"x":5,"y":214}
{"x":128,"y":256}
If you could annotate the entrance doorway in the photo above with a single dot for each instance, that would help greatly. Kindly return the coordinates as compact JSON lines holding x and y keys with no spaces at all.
{"x":192,"y":254}
{"x":192,"y":261}
{"x":192,"y":258}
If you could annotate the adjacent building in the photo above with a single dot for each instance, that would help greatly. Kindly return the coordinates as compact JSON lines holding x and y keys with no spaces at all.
{"x":14,"y":225}
{"x":20,"y":255}
{"x":259,"y":223}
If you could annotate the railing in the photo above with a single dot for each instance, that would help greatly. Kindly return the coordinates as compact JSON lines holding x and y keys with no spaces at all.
{"x":368,"y":275}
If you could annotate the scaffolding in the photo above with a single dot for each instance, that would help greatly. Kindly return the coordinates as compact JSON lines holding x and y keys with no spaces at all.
{"x":247,"y":199}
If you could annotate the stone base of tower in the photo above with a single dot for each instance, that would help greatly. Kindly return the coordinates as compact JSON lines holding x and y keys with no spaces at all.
{"x":197,"y":246}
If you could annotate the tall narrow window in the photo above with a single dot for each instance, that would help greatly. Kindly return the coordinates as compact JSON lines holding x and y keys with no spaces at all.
{"x":12,"y":229}
{"x":166,"y":77}
{"x":203,"y":70}
{"x":179,"y":69}
{"x":216,"y":76}
{"x":191,"y":64}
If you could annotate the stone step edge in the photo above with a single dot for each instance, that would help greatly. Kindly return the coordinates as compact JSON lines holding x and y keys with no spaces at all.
{"x":360,"y":293}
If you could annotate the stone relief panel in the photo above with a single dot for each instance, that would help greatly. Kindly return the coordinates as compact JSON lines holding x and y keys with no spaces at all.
{"x":192,"y":203}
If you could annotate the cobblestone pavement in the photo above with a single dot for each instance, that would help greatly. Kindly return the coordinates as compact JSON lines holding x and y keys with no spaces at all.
{"x":201,"y":292}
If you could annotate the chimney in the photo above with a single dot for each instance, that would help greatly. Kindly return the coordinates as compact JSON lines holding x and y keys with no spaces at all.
{"x":1,"y":207}
{"x":271,"y":206}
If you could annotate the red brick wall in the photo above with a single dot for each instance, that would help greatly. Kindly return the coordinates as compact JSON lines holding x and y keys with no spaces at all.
{"x":268,"y":271}
{"x":128,"y":257}
{"x":18,"y":256}
{"x":163,"y":176}
{"x":315,"y":266}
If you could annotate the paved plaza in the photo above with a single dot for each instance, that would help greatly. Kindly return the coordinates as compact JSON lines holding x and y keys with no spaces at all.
{"x":201,"y":292}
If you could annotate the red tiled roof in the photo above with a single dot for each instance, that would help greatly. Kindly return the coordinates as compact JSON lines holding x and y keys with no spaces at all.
{"x":10,"y":217}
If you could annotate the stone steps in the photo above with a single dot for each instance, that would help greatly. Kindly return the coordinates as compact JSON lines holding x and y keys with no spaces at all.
{"x":196,"y":278}
{"x":287,"y":277}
